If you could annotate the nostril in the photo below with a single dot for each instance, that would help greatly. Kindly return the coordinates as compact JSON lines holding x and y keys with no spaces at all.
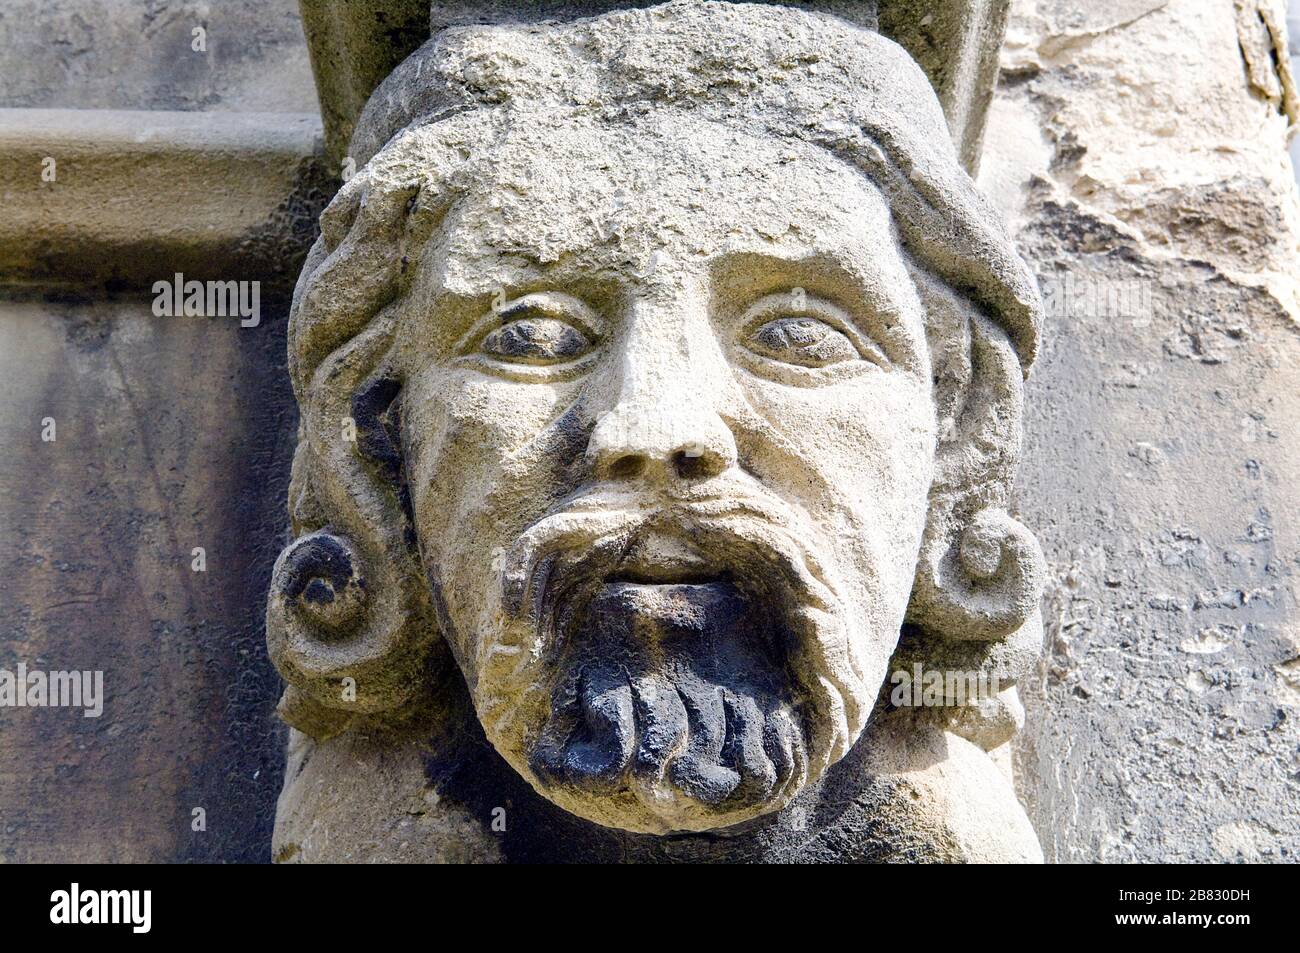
{"x":627,"y":466}
{"x":690,"y":465}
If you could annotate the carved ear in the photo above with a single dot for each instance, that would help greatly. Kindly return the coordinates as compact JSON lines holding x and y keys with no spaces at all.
{"x":349,"y":622}
{"x":315,"y":633}
{"x":985,"y":583}
{"x":980,"y":572}
{"x":979,"y":579}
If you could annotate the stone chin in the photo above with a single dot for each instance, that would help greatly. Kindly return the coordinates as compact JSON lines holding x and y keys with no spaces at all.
{"x":675,"y":668}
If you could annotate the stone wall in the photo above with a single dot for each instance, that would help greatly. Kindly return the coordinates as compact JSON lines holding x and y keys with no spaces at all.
{"x":139,"y":54}
{"x":1139,"y":149}
{"x":170,"y":433}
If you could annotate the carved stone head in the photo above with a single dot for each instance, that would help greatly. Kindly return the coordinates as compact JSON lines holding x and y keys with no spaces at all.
{"x":665,"y":367}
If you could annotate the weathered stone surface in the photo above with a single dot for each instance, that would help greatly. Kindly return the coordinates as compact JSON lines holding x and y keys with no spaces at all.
{"x":353,"y":47}
{"x":144,"y":54}
{"x":356,"y":45}
{"x":1133,"y":141}
{"x":1141,"y":156}
{"x":170,"y":434}
{"x":957,"y":44}
{"x":660,"y":442}
{"x":907,"y":793}
{"x":108,"y":199}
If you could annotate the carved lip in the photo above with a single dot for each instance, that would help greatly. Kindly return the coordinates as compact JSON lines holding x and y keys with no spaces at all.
{"x":658,"y":559}
{"x":745,"y":538}
{"x":653,"y":561}
{"x":665,"y":572}
{"x":700,"y":618}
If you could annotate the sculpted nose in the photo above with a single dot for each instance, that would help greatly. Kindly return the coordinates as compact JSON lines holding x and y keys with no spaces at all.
{"x":660,"y":442}
{"x":663,"y":423}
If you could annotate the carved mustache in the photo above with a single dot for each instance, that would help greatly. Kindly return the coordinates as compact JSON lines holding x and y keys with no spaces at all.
{"x":757,"y":540}
{"x":595,"y":531}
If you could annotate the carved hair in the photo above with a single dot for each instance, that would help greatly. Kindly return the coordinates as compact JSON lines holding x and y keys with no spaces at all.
{"x":349,"y":598}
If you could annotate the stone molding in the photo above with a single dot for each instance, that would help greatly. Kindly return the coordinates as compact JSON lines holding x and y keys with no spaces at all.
{"x":138,"y":195}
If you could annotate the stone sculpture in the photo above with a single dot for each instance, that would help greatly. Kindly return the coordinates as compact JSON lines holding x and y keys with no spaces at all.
{"x":661,"y":377}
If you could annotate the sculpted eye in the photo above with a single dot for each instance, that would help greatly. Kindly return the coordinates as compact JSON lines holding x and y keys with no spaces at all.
{"x":805,"y":341}
{"x":536,"y":340}
{"x":802,"y":339}
{"x":539,"y":335}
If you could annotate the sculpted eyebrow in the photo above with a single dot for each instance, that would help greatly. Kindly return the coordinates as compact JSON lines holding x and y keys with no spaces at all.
{"x":753,"y":274}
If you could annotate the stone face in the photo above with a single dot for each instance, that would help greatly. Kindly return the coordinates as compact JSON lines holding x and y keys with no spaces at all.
{"x":1135,"y":148}
{"x":655,"y":370}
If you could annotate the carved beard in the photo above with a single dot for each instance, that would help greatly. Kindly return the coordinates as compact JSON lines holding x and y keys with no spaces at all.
{"x":678,"y":692}
{"x":675,"y":668}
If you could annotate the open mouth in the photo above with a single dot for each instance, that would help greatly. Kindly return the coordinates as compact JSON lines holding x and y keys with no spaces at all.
{"x":667,"y":576}
{"x":670,"y":664}
{"x":673,"y":690}
{"x":663,"y":598}
{"x":669,"y":614}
